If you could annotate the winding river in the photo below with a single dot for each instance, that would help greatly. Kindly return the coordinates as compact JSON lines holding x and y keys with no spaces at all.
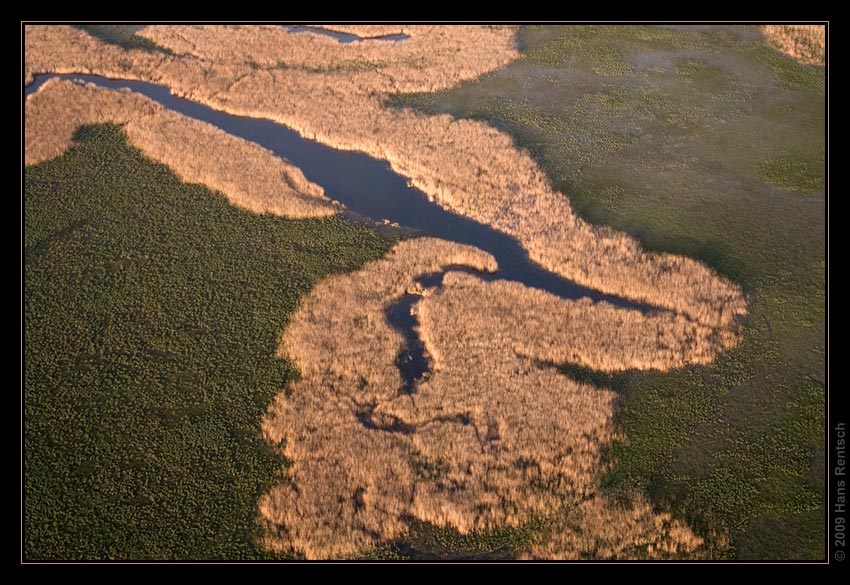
{"x":372,"y":192}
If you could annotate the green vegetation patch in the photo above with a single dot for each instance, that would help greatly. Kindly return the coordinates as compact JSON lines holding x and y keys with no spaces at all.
{"x":793,"y":76}
{"x":152,"y":314}
{"x":795,"y":173}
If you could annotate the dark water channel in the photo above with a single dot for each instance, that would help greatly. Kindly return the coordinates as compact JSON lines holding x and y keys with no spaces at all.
{"x":369,"y":188}
{"x":343,"y":38}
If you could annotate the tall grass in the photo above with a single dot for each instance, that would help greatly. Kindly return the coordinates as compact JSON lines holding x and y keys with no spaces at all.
{"x":351,"y":481}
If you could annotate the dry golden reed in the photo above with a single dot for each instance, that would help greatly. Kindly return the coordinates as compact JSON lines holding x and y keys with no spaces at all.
{"x":597,"y":528}
{"x":250,"y":176}
{"x":494,"y":437}
{"x":804,"y":42}
{"x":536,"y":324}
{"x":350,"y":484}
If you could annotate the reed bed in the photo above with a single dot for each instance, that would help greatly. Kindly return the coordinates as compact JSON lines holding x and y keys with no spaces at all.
{"x":494,"y":437}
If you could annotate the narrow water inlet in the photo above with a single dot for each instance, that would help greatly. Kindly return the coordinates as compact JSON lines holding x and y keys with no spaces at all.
{"x":412,"y":362}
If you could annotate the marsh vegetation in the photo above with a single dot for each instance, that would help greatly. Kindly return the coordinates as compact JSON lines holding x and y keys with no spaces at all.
{"x":477,"y":449}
